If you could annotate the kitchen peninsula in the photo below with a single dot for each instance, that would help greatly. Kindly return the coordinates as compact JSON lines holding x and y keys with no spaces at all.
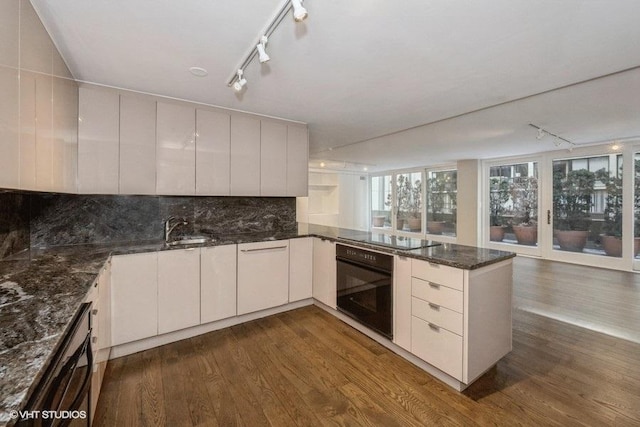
{"x":42,"y":289}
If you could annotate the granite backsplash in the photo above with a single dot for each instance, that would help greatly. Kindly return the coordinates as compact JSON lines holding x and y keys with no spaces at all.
{"x":45,"y":220}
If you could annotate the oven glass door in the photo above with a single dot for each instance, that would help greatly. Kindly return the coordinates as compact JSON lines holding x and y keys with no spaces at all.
{"x":365,"y":294}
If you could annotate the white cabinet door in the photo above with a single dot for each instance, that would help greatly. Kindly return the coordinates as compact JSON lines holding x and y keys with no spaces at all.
{"x":44,"y":135}
{"x":213,"y":150}
{"x":104,"y":313}
{"x":65,"y":135}
{"x":402,"y":302}
{"x":273,"y":159}
{"x":324,"y":271}
{"x":178,"y":289}
{"x":217,"y":283}
{"x":300,"y":269}
{"x":27,"y":130}
{"x":263,"y":275}
{"x":134,"y":297}
{"x":297,"y":161}
{"x":98,"y":141}
{"x":176,"y":149}
{"x":9,"y":128}
{"x":245,"y":156}
{"x":137,"y":145}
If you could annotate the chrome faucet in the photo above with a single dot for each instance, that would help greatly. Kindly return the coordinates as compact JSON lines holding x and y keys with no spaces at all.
{"x":168,"y":227}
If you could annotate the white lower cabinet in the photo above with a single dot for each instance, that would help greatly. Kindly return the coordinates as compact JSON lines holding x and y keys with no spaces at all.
{"x":217,"y":283}
{"x":134,"y":297}
{"x":263,"y":275}
{"x":300,"y":269}
{"x":459,"y":320}
{"x":402,"y":302}
{"x":324,"y":272}
{"x":178,"y":289}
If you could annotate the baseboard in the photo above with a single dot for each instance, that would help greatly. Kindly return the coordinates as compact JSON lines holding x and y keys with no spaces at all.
{"x":159,"y":340}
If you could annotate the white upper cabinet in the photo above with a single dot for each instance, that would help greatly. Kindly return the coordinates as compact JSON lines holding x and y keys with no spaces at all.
{"x":65,"y":135}
{"x":44,"y":132}
{"x":9,"y":128}
{"x":213,"y":150}
{"x":245,"y":156}
{"x":137,"y":145}
{"x":176,"y":149}
{"x":297,"y":161}
{"x":273,"y":158}
{"x":98,"y":141}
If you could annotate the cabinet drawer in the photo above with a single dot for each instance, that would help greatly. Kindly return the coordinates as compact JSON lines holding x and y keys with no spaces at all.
{"x":438,"y":273}
{"x":437,"y":346}
{"x":433,"y":313}
{"x":437,"y":294}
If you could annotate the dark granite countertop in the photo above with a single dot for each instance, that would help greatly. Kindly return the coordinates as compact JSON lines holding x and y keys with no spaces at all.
{"x":41,"y":290}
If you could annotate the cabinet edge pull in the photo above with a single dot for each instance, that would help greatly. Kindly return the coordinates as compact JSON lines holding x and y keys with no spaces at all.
{"x":264,"y":249}
{"x":434,"y":285}
{"x":434,"y":327}
{"x":434,"y":306}
{"x":434,"y":265}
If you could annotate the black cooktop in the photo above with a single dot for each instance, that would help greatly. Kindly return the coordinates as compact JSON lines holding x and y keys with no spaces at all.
{"x":398,"y":242}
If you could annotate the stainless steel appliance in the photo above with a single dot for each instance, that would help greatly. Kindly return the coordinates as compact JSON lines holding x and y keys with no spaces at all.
{"x":61,"y":397}
{"x":365,"y":288}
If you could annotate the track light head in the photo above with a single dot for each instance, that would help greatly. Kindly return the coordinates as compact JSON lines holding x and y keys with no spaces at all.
{"x":240,"y":81}
{"x":299,"y":12}
{"x":541,"y":134}
{"x":262,"y":53}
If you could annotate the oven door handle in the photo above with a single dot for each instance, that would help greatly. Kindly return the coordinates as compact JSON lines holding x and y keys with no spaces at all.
{"x":365,"y":266}
{"x":68,"y":368}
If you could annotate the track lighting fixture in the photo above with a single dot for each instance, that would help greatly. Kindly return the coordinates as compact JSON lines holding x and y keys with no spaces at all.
{"x":299,"y":12}
{"x":240,"y":81}
{"x":557,"y":140}
{"x":262,"y":53}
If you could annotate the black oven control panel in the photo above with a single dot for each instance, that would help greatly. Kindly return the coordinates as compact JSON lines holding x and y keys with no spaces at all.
{"x":363,"y":256}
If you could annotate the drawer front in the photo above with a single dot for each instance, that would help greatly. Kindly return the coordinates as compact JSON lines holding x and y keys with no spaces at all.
{"x":437,"y":346}
{"x":437,"y":294}
{"x":438,"y":273}
{"x":438,"y":315}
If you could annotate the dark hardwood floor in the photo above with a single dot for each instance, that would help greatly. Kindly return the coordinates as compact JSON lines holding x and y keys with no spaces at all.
{"x":306,"y":368}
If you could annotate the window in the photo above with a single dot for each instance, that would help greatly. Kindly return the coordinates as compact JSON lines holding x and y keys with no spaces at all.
{"x":513,"y":203}
{"x":442,"y":190}
{"x":587,"y":205}
{"x":381,"y":202}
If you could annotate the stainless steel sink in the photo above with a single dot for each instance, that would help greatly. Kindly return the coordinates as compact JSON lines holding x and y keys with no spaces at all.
{"x":191,"y":240}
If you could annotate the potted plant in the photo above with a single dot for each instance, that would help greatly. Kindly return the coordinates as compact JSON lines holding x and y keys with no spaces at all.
{"x":572,"y":201}
{"x":414,"y":205}
{"x":611,"y":236}
{"x":403,"y":196}
{"x":436,"y":198}
{"x":498,"y":196}
{"x":524,"y":195}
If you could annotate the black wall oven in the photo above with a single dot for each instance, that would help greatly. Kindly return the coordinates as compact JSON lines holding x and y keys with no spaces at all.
{"x":365,"y":287}
{"x":62,"y":397}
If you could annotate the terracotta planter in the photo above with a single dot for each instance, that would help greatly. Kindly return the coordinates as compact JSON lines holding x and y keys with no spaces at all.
{"x":496,"y":233}
{"x":415,"y":224}
{"x":526,"y":234}
{"x":435,"y":227}
{"x":572,"y":240}
{"x":378,"y":221}
{"x":400,"y":224}
{"x":613,"y":245}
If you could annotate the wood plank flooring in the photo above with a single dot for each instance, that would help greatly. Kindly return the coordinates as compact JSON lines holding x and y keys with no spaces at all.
{"x":307,"y":368}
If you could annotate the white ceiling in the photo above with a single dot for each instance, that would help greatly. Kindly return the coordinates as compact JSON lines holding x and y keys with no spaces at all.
{"x":358,"y":70}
